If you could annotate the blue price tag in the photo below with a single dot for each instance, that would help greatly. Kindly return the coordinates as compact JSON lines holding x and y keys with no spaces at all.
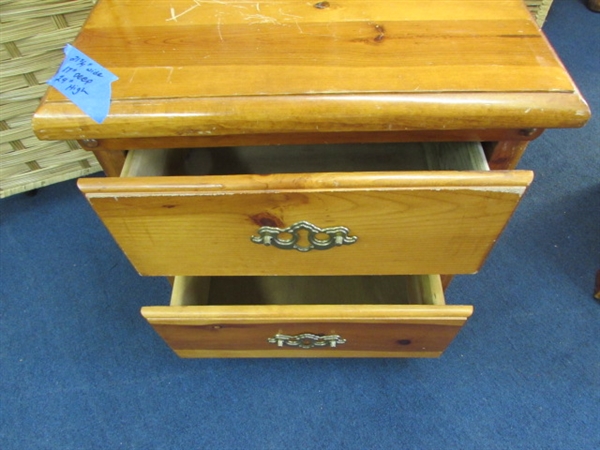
{"x":85,"y":82}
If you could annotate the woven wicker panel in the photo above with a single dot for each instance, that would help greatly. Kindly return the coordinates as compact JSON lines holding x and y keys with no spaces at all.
{"x":33,"y":35}
{"x":539,"y":9}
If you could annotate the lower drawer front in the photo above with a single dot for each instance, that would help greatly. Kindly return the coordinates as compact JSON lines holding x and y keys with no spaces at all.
{"x":388,"y":316}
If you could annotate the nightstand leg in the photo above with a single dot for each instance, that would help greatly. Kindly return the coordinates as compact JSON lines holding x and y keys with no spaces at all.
{"x":111,"y":161}
{"x":446,"y":279}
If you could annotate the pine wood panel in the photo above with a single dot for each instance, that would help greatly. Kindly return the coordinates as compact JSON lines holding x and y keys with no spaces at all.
{"x":313,"y":138}
{"x":420,"y":222}
{"x":209,"y":68}
{"x":201,"y":225}
{"x":365,"y":339}
{"x":383,"y":329}
{"x":315,"y":114}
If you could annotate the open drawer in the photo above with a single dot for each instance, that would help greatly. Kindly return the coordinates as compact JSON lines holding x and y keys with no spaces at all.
{"x":364,"y":316}
{"x":360,"y":209}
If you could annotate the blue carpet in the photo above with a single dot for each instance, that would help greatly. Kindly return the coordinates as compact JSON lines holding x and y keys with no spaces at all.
{"x":80,"y":368}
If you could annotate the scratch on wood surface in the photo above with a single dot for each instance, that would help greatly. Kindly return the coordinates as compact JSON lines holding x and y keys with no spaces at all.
{"x":174,"y":16}
{"x":261,"y":18}
{"x":289,"y":15}
{"x":170,"y":74}
{"x":132,"y":76}
{"x":219,"y":28}
{"x":217,"y":2}
{"x":252,"y":18}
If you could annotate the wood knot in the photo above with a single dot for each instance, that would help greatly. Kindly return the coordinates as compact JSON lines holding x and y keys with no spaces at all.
{"x":266,"y":219}
{"x":381,"y":31}
{"x":322,"y":5}
{"x":527,"y":131}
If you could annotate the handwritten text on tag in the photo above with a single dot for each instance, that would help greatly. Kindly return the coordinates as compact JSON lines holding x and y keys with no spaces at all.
{"x":85,"y":82}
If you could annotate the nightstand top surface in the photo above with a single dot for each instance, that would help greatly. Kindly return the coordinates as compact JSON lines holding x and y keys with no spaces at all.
{"x":193,"y":67}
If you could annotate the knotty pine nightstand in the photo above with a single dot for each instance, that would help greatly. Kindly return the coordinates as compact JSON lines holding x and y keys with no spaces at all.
{"x":305,"y":170}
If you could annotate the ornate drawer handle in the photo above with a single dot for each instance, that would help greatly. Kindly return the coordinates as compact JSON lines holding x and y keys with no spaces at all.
{"x":335,"y":237}
{"x":306,"y":340}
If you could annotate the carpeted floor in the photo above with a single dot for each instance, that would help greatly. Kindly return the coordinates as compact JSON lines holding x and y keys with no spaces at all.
{"x":80,"y":369}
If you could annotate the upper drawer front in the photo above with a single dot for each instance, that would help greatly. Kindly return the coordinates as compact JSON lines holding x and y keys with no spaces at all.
{"x":404,"y":222}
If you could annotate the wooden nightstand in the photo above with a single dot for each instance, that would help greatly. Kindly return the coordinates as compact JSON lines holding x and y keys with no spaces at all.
{"x":305,"y":170}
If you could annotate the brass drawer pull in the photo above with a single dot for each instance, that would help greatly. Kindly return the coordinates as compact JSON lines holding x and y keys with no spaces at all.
{"x":318,"y":238}
{"x":306,"y":340}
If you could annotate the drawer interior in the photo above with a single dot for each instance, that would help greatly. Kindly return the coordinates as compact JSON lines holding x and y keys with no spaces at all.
{"x":306,"y":159}
{"x":308,"y":290}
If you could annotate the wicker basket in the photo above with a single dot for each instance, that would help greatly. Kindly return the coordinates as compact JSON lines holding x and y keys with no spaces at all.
{"x":539,"y":9}
{"x":34,"y":33}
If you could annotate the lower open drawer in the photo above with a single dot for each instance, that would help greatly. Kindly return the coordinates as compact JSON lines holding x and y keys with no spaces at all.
{"x":364,"y":316}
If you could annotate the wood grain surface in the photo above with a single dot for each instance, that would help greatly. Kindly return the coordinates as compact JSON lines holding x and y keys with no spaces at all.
{"x":406,"y":223}
{"x":370,"y":313}
{"x":415,"y":208}
{"x":218,"y":68}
